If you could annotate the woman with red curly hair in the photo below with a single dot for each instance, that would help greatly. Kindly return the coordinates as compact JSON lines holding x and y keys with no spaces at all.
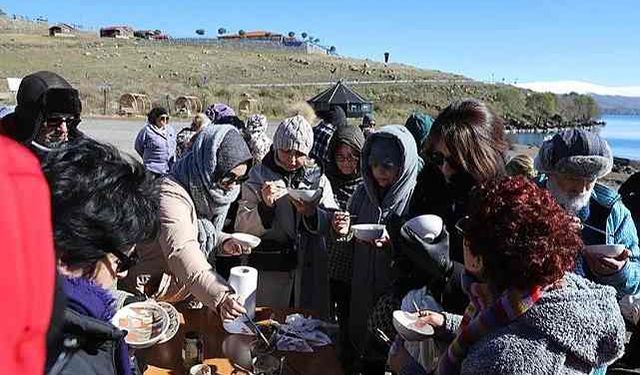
{"x":527,"y":313}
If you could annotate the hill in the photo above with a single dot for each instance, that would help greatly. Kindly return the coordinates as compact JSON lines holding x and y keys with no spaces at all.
{"x":618,"y":105}
{"x":224,"y":72}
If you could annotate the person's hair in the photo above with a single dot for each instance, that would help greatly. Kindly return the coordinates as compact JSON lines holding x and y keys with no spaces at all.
{"x":101,"y":202}
{"x":475,"y":137}
{"x":303,"y":109}
{"x":522,"y":235}
{"x":155,"y":113}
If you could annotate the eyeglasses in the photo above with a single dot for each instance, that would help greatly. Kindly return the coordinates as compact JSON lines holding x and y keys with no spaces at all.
{"x":164,"y":118}
{"x":347,"y":159}
{"x":125,"y":262}
{"x":438,"y":159}
{"x":232,"y":179}
{"x":462,"y":225}
{"x":56,"y":121}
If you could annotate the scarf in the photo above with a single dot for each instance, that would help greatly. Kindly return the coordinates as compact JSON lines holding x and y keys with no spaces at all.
{"x":486,"y":312}
{"x":196,"y":173}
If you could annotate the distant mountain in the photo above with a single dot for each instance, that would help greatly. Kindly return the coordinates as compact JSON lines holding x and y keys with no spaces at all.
{"x":619,"y":105}
{"x":610,"y":99}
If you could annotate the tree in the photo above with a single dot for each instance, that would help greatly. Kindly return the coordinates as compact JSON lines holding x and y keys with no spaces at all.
{"x":304,"y":35}
{"x":157,"y":32}
{"x":242,"y":33}
{"x":316,"y":40}
{"x":332,"y":49}
{"x":542,"y":105}
{"x":291,"y":34}
{"x":200,"y":31}
{"x":222,"y":31}
{"x":2,"y":13}
{"x":586,"y":107}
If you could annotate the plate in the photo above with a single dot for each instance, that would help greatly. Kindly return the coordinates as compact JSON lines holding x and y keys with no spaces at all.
{"x":146,"y":323}
{"x":405,"y":324}
{"x":174,"y":321}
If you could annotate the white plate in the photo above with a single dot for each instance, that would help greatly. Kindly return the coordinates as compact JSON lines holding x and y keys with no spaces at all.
{"x":368,"y":232}
{"x":247,"y":239}
{"x":405,"y":324}
{"x":611,"y":251}
{"x":305,"y":195}
{"x":131,"y":314}
{"x":427,"y":227}
{"x":174,"y":321}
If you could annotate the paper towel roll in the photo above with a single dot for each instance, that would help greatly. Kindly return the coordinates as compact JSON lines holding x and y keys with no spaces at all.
{"x":244,"y":280}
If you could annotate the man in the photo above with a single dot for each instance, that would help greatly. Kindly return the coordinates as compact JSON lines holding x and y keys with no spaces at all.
{"x":573,"y":160}
{"x":368,"y":125}
{"x":47,"y":114}
{"x":333,"y":119}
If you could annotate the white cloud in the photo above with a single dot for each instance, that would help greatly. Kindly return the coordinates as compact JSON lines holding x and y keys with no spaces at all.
{"x":565,"y":87}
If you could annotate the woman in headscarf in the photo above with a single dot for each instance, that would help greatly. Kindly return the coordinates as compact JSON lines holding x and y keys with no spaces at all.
{"x":292,"y":256}
{"x":193,"y":205}
{"x":186,"y":136}
{"x":389,"y":165}
{"x":419,"y":125}
{"x":255,"y":134}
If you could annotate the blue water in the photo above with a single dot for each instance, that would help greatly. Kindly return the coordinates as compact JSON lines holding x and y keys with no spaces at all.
{"x":621,"y":132}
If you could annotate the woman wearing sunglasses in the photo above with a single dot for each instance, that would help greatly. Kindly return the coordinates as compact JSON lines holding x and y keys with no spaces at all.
{"x":528,"y":314}
{"x":194,"y":201}
{"x":156,"y":143}
{"x":102,"y":205}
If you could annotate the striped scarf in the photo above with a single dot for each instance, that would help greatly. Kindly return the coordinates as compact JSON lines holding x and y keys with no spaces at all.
{"x":486,"y":311}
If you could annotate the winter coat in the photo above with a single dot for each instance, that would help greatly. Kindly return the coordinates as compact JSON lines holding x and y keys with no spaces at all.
{"x":157,"y":149}
{"x":173,"y":262}
{"x":573,"y":329}
{"x":28,"y":258}
{"x":617,"y":221}
{"x":372,"y":266}
{"x":91,"y":345}
{"x":283,"y":226}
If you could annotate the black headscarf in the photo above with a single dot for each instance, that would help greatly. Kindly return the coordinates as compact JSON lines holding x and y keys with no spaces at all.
{"x":343,"y":186}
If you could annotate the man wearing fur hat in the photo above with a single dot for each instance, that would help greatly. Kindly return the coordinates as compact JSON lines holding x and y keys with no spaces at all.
{"x":47,"y":114}
{"x":573,"y":160}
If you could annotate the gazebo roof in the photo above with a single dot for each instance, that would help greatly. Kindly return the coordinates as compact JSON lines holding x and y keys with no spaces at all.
{"x":338,"y":94}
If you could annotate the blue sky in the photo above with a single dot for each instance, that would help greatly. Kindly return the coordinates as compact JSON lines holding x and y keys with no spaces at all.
{"x":523,"y":40}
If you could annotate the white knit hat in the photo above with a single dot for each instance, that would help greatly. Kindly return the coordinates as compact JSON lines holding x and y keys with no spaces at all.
{"x":294,"y":133}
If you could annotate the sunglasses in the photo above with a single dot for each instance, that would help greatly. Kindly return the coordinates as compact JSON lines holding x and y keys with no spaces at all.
{"x":232,"y":179}
{"x":462,"y":225}
{"x":56,"y":121}
{"x":125,"y":262}
{"x":438,"y":159}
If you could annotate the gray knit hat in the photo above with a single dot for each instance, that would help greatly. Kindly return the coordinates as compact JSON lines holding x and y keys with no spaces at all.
{"x":294,"y":133}
{"x":575,"y":152}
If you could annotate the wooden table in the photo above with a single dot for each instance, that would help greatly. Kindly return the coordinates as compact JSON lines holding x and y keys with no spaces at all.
{"x":167,"y":358}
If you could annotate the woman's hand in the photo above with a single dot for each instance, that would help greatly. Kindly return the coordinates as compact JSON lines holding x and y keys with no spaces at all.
{"x":432,"y":318}
{"x":605,"y":266}
{"x":232,"y":247}
{"x":341,"y":222}
{"x":230,"y":308}
{"x":272,"y":191}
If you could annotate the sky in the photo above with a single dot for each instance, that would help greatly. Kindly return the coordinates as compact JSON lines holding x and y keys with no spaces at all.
{"x":489,"y":40}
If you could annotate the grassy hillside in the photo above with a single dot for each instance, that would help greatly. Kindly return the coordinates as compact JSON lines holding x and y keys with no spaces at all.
{"x":216,"y":73}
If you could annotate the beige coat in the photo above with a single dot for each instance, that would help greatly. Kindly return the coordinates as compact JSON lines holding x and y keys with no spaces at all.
{"x":173,"y":267}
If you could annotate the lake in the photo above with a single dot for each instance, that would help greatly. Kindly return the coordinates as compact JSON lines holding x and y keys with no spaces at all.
{"x":621,"y":132}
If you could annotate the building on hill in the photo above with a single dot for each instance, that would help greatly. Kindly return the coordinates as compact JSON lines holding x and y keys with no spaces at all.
{"x":121,"y":32}
{"x":266,"y":36}
{"x":354,"y":104}
{"x":150,"y":35}
{"x":62,"y":30}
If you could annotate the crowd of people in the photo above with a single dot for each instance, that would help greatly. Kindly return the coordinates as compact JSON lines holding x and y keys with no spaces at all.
{"x":508,"y":286}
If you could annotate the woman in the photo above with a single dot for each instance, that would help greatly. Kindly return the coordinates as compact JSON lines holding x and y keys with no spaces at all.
{"x":156,"y":142}
{"x":255,"y":134}
{"x":193,"y":205}
{"x":343,"y":172}
{"x":102,"y":205}
{"x":528,"y":314}
{"x":185,"y":137}
{"x":465,"y":148}
{"x":292,"y":256}
{"x":389,"y":166}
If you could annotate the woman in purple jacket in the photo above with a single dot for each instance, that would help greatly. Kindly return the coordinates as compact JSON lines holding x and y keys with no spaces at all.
{"x":156,"y":142}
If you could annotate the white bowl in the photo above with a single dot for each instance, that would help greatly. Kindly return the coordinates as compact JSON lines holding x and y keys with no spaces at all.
{"x":305,"y":195}
{"x":146,"y":323}
{"x":248,"y":240}
{"x":368,"y":232}
{"x":610,"y":251}
{"x":405,"y":324}
{"x":427,"y":227}
{"x":174,"y":321}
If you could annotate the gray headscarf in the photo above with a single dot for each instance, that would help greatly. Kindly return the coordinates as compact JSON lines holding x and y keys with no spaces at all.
{"x":196,"y":172}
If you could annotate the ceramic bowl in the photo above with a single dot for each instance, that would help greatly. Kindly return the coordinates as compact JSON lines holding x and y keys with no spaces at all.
{"x":368,"y":232}
{"x":305,"y":195}
{"x":248,"y":240}
{"x":427,"y":227}
{"x":405,"y":324}
{"x":610,"y":251}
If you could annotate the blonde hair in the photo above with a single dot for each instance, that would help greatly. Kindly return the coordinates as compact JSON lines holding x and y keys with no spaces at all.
{"x":200,"y":121}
